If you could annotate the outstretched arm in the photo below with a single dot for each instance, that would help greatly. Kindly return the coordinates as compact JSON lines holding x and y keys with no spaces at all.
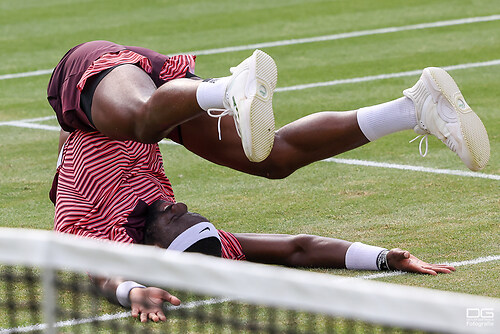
{"x":321,"y":252}
{"x":145,"y":302}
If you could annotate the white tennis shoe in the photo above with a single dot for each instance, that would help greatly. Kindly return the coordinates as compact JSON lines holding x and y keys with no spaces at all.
{"x":249,"y":99}
{"x":441,"y":110}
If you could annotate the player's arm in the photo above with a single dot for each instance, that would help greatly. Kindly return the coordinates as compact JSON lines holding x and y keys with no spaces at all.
{"x":145,"y":302}
{"x":321,"y":252}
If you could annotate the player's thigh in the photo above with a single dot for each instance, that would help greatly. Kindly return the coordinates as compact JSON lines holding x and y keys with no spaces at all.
{"x":119,"y":99}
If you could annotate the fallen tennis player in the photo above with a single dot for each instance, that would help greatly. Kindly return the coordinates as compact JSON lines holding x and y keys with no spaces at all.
{"x":173,"y":227}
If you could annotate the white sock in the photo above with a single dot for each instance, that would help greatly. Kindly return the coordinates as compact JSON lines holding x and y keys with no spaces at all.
{"x":210,"y":94}
{"x":386,"y":118}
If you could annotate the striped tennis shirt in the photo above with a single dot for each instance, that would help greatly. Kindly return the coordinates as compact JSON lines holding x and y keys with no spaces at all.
{"x":105,"y":186}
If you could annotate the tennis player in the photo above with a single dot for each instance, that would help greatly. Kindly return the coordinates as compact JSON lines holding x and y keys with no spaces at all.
{"x":115,"y":102}
{"x":173,"y":227}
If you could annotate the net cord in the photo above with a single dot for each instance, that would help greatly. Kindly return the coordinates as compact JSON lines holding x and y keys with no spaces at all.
{"x":376,"y":302}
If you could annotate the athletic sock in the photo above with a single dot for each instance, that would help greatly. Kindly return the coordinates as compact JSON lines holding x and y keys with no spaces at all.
{"x":386,"y":118}
{"x":211,"y":93}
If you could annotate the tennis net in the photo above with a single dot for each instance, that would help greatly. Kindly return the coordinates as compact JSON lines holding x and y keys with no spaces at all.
{"x":45,"y":288}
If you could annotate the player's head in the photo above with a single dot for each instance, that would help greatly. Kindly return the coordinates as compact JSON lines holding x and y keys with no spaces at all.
{"x":172,"y":226}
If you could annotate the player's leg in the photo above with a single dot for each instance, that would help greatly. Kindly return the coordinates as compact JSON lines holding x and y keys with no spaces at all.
{"x":127,"y":105}
{"x":306,"y":140}
{"x":432,"y":106}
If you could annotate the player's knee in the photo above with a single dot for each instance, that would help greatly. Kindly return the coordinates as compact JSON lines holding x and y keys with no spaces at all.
{"x":144,"y":127}
{"x":131,"y":121}
{"x":280,"y":163}
{"x":276,"y":170}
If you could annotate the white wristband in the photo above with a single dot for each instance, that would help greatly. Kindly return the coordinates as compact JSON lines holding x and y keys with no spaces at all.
{"x":123,"y":291}
{"x":362,"y":257}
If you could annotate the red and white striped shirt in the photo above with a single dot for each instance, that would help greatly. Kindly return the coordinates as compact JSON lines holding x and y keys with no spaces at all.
{"x":231,"y":248}
{"x":104,"y":187}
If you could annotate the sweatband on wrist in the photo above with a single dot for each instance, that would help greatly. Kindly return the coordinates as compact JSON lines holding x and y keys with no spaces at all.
{"x":382,"y":263}
{"x":363,"y":257}
{"x":123,"y":291}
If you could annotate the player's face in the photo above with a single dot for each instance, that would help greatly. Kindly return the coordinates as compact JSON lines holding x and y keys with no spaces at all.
{"x":174,"y":219}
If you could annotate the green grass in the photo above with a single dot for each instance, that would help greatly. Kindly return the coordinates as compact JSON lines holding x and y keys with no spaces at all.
{"x":437,"y":217}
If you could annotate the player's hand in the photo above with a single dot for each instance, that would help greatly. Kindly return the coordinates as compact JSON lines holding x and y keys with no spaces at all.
{"x":402,"y":260}
{"x":146,"y":303}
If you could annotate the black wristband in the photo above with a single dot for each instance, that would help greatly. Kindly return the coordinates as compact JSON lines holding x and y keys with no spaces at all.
{"x":382,"y":263}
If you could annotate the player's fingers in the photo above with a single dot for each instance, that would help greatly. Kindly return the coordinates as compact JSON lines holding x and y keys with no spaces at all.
{"x":153,"y":317}
{"x":144,"y":317}
{"x":441,"y":267}
{"x":173,"y":300}
{"x":428,"y":271}
{"x":135,"y":312}
{"x":161,"y":316}
{"x":446,"y":266}
{"x":443,"y":270}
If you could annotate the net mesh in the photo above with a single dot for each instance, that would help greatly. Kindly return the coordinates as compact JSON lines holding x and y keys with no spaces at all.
{"x":79,"y":308}
{"x":45,"y":288}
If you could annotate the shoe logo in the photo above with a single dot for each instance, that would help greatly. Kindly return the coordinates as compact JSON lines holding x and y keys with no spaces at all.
{"x":263,"y":91}
{"x":206,"y":228}
{"x":461,"y":104}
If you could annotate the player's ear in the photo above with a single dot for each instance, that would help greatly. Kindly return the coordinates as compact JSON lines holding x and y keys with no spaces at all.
{"x":178,"y":208}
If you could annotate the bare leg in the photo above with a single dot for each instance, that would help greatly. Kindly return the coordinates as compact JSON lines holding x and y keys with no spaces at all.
{"x":128,"y":106}
{"x":306,"y":140}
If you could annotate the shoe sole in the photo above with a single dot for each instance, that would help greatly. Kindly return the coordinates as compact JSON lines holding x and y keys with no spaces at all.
{"x":473,"y":130}
{"x":261,"y":116}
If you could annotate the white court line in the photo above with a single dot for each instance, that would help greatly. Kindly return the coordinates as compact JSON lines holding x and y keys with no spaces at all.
{"x":385,"y":76}
{"x":412,"y":168}
{"x":25,"y":74}
{"x":324,"y":38}
{"x":120,"y":315}
{"x":29,"y":120}
{"x":106,"y":317}
{"x":28,"y":125}
{"x":349,"y":35}
{"x":454,"y":264}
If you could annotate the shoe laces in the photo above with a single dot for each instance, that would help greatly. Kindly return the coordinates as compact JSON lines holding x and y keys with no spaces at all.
{"x":423,"y":138}
{"x":224,"y":112}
